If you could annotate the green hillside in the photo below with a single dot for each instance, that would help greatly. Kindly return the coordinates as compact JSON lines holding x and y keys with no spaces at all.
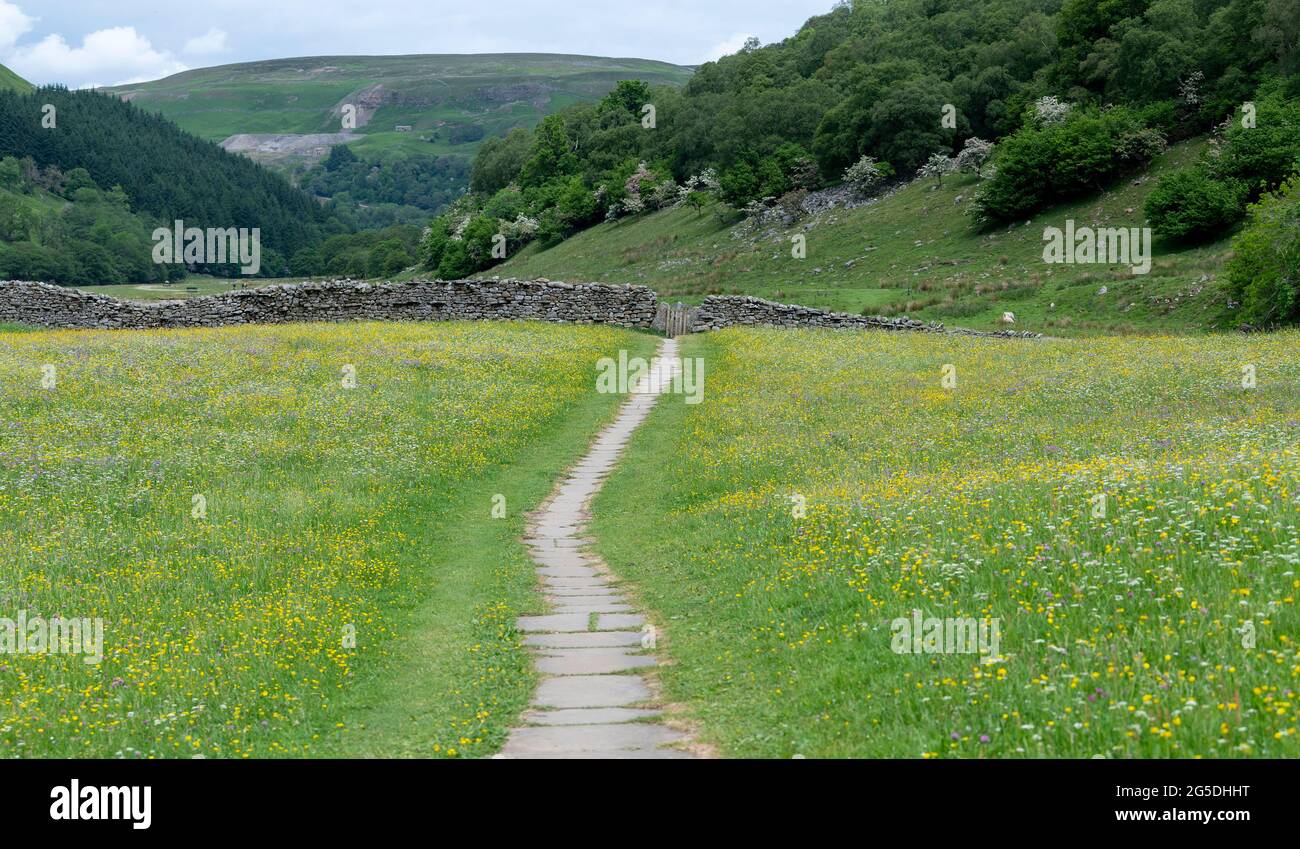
{"x":94,"y":162}
{"x":11,"y":81}
{"x":446,"y":99}
{"x":68,"y":230}
{"x":913,"y":252}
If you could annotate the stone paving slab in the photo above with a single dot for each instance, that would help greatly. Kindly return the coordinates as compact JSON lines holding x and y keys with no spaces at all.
{"x":619,"y":621}
{"x":562,"y":606}
{"x":590,"y":662}
{"x":593,"y":583}
{"x":556,"y":544}
{"x":567,"y":572}
{"x":575,"y":691}
{"x":589,"y":738}
{"x":553,"y":622}
{"x":621,"y":754}
{"x":587,"y":639}
{"x":589,"y":716}
{"x":560,"y":559}
{"x":567,"y":594}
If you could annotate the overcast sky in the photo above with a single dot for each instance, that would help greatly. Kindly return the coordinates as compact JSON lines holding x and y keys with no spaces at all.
{"x":92,"y":42}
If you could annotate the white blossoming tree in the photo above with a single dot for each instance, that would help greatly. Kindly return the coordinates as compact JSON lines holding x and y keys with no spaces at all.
{"x":974,"y":155}
{"x":1050,"y":111}
{"x":938,"y":165}
{"x":865,"y":174}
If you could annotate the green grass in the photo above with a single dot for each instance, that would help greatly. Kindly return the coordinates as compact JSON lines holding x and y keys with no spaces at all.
{"x":10,"y":80}
{"x":1121,"y":635}
{"x":391,"y":713}
{"x":329,"y":511}
{"x":915,"y":253}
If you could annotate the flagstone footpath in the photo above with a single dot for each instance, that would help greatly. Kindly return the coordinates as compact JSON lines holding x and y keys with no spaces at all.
{"x":594,"y":699}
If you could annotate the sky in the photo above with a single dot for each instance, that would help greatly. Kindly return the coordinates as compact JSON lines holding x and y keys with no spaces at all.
{"x":84,"y":43}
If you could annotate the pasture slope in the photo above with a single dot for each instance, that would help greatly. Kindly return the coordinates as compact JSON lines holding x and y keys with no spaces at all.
{"x":10,"y":80}
{"x":914,"y":252}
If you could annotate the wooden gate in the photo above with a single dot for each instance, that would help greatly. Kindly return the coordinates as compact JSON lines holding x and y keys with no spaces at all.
{"x":674,"y":319}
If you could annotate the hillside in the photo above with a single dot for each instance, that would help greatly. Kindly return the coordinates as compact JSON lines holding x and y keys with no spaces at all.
{"x":450,"y":102}
{"x":1060,"y":109}
{"x":10,"y":81}
{"x":914,"y":252}
{"x":99,"y":146}
{"x":65,"y":229}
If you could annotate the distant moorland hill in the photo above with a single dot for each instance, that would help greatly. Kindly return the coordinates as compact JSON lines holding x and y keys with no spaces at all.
{"x":288,"y":113}
{"x":12,"y":82}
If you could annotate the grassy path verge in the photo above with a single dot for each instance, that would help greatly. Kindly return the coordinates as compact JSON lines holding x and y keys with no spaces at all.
{"x":479,"y":658}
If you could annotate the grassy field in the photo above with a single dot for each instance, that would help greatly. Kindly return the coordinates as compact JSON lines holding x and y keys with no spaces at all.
{"x":327,"y":513}
{"x":1124,"y":508}
{"x":916,"y":253}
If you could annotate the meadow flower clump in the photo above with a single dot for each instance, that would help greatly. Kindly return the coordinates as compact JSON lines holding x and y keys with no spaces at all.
{"x":253,"y":512}
{"x":1127,"y":510}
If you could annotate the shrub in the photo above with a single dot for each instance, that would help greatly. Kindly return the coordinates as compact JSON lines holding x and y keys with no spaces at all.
{"x":1261,"y":156}
{"x":1243,"y":162}
{"x":937,"y":166}
{"x":865,"y":174}
{"x":1050,"y":112}
{"x":1190,"y":205}
{"x":576,"y":205}
{"x":752,"y":179}
{"x":1264,"y":272}
{"x":1140,"y":146}
{"x":664,"y":194}
{"x":1039,"y":166}
{"x":434,"y":244}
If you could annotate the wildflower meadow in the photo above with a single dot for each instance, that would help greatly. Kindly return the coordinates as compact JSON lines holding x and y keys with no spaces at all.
{"x":1124,"y":512}
{"x":272,"y":524}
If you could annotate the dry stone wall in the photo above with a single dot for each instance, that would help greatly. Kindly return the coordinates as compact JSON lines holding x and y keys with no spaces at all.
{"x":719,"y":311}
{"x":44,"y":305}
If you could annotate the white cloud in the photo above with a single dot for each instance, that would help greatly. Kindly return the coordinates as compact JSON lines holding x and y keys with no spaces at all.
{"x":13,"y":25}
{"x":211,"y":42}
{"x":727,"y":47}
{"x":106,"y":57}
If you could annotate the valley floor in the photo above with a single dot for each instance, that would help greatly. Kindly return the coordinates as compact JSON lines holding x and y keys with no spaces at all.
{"x":306,"y":540}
